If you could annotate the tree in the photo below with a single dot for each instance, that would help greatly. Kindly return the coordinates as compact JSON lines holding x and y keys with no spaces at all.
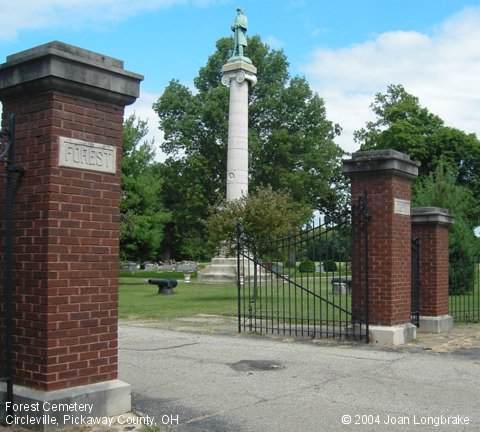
{"x":265,"y":216}
{"x":142,"y":215}
{"x":290,"y":141}
{"x":441,"y":190}
{"x":403,"y":124}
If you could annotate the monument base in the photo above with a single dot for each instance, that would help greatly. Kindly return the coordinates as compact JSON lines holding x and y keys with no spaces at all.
{"x":49,"y":410}
{"x":435,"y":324}
{"x":221,"y":270}
{"x":392,"y":335}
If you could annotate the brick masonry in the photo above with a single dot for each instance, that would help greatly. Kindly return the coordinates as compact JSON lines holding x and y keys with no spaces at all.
{"x":389,"y":240}
{"x":66,"y":247}
{"x":383,"y":176}
{"x":433,"y":239}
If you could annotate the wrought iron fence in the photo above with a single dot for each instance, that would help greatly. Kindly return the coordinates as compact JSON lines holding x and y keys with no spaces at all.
{"x":464,"y":290}
{"x":302,"y":285}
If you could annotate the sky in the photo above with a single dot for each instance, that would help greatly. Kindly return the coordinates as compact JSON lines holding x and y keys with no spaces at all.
{"x":348,"y":50}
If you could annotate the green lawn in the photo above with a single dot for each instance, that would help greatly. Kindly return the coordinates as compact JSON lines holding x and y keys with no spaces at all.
{"x":465,"y":307}
{"x":142,"y":274}
{"x":139,"y":300}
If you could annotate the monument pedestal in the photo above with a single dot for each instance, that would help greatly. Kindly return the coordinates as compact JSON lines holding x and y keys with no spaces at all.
{"x":220,"y":270}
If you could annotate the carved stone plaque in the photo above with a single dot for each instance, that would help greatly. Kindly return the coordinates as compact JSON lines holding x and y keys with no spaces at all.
{"x":401,"y":206}
{"x":75,"y":153}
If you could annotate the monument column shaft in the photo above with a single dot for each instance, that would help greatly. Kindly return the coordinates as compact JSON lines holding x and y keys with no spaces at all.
{"x":238,"y":75}
{"x":237,"y":157}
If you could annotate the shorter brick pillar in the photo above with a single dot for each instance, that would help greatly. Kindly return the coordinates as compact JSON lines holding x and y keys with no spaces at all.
{"x":430,"y":225}
{"x":385,"y":176}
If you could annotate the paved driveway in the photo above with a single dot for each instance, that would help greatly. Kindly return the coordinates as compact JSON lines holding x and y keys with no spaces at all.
{"x":238,"y":383}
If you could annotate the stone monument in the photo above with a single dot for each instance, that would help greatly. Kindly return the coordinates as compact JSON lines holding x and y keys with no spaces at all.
{"x":238,"y":74}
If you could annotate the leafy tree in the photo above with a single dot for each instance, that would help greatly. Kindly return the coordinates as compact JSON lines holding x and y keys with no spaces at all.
{"x":334,"y":244}
{"x":440,"y":189}
{"x":403,"y":124}
{"x":265,"y":216}
{"x":290,"y":142}
{"x":142,"y":215}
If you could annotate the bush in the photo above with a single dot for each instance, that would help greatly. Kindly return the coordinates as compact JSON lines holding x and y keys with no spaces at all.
{"x":330,"y":266}
{"x":461,"y":276}
{"x":307,"y":266}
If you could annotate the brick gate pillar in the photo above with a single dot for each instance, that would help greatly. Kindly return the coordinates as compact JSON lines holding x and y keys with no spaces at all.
{"x":385,"y":176}
{"x":69,"y":104}
{"x":430,"y":225}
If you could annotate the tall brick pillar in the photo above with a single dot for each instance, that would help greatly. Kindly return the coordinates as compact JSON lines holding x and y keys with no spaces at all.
{"x":430,"y":225}
{"x":385,"y":176}
{"x":69,"y":105}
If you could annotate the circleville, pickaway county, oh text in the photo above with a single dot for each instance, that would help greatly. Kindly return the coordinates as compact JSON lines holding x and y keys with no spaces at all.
{"x":55,"y":414}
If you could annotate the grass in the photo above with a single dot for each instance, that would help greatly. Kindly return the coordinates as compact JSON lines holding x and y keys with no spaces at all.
{"x":465,"y":307}
{"x":155,"y":275}
{"x":139,"y":300}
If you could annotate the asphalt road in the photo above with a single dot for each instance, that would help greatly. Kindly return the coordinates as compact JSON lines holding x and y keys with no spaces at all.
{"x":238,"y":383}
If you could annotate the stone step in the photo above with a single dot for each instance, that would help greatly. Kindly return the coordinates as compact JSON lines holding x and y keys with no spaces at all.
{"x":224,"y":261}
{"x":220,"y":268}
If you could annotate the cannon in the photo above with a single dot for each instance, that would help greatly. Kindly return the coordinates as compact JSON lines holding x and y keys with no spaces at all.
{"x":165,"y":286}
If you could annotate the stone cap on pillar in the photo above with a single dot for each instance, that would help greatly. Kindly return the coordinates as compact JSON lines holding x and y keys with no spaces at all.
{"x":70,"y":69}
{"x":239,"y":70}
{"x":381,"y":161}
{"x":431,"y":215}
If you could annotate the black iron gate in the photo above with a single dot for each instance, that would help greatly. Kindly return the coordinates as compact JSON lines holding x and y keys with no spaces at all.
{"x":415,"y":298}
{"x":302,"y":285}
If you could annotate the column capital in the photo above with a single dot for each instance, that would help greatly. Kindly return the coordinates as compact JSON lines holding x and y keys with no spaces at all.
{"x":68,"y":69}
{"x":381,"y":161}
{"x":240,"y":71}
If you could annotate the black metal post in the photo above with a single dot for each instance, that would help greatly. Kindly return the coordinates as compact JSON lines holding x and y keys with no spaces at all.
{"x":239,"y":282}
{"x":11,"y":179}
{"x":365,"y":216}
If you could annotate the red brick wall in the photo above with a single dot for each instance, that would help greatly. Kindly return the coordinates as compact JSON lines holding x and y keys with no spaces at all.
{"x":66,"y":245}
{"x":389,"y":250}
{"x":433,"y":267}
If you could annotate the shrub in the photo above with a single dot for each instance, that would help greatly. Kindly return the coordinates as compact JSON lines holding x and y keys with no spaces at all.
{"x":461,"y":276}
{"x":307,"y":266}
{"x":330,"y":266}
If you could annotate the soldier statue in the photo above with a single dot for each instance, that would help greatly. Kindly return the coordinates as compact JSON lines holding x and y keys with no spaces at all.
{"x":239,"y":29}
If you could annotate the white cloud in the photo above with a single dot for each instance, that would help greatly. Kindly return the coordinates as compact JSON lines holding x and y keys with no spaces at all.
{"x":274,"y":42}
{"x":37,"y":14}
{"x":142,"y":108}
{"x":441,"y":68}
